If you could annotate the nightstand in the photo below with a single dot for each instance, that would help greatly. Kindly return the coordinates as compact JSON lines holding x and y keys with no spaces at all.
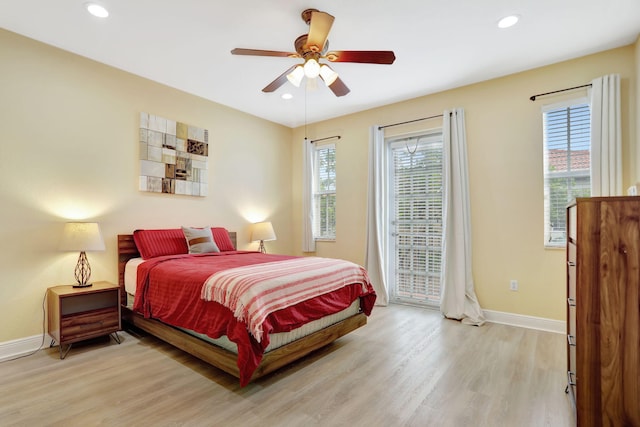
{"x":77,"y":314}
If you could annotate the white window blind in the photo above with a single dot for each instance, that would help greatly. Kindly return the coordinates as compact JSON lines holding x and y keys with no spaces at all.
{"x":324,"y":192}
{"x":567,"y":164}
{"x":416,"y":209}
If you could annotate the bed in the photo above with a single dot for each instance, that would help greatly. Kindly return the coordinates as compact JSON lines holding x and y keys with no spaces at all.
{"x":175,"y":296}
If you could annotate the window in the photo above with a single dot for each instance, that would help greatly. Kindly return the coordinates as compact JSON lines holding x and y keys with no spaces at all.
{"x":567,"y":164}
{"x":416,"y":203}
{"x":324,"y":192}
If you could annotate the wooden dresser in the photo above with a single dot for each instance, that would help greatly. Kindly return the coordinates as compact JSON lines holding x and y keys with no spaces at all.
{"x":603,"y":310}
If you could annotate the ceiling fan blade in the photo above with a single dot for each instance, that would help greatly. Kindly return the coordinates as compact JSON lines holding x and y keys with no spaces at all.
{"x":362,"y":56}
{"x":319,"y":28}
{"x":339,"y":88}
{"x":279,"y":81}
{"x":258,"y":52}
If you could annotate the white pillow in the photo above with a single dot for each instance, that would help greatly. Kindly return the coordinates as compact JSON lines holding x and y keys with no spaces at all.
{"x":200,"y":240}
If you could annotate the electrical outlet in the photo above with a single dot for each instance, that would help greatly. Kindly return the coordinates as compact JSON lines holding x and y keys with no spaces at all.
{"x":513,"y":285}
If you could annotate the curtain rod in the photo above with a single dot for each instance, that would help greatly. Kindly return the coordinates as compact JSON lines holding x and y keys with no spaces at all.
{"x":533,"y":97}
{"x":324,"y":139}
{"x":410,"y":121}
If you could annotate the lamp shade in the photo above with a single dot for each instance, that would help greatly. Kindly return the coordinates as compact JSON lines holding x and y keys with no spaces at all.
{"x":81,"y":236}
{"x":328,"y":75}
{"x":296,"y":76}
{"x":262,"y":231}
{"x":311,"y":68}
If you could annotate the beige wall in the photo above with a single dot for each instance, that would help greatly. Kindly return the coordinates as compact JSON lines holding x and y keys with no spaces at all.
{"x":504,"y":133}
{"x":69,"y":129}
{"x":68,"y":149}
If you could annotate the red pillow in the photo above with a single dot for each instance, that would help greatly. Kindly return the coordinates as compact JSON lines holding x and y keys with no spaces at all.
{"x":223,"y":241}
{"x":155,"y":243}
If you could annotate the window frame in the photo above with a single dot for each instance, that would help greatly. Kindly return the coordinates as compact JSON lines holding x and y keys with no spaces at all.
{"x":549,"y":241}
{"x":316,"y":191}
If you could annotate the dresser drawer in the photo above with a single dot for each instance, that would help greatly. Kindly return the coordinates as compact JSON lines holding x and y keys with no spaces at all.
{"x":572,"y":223}
{"x":571,"y":271}
{"x":571,"y":347}
{"x":572,"y":357}
{"x":571,"y":387}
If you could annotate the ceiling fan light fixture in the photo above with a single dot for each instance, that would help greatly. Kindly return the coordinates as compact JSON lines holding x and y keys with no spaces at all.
{"x":313,"y":47}
{"x":328,"y":75}
{"x":296,"y":76}
{"x":311,"y":68}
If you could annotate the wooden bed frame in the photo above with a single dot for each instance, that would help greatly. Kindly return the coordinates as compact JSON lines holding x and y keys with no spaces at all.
{"x":218,"y":356}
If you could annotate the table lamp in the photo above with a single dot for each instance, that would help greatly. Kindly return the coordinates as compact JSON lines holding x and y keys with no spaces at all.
{"x":83,"y":237}
{"x":262,"y":231}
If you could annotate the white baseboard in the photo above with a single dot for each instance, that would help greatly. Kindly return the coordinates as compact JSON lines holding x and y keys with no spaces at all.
{"x":20,"y":347}
{"x":523,"y":321}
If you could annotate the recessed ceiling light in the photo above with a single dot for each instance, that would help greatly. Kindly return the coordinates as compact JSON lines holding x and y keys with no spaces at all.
{"x":287,"y":96}
{"x":97,"y":10}
{"x":508,"y":21}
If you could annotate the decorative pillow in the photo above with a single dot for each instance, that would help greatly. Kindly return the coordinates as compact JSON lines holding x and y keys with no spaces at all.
{"x":155,"y":243}
{"x":222,"y":239}
{"x":200,"y":240}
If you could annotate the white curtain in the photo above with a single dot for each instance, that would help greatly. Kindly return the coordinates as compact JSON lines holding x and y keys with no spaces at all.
{"x":376,"y":216}
{"x":458,"y":297}
{"x":606,"y":142}
{"x":308,"y":242}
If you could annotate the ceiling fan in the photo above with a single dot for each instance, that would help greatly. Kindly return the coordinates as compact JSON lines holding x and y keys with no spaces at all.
{"x":311,"y":48}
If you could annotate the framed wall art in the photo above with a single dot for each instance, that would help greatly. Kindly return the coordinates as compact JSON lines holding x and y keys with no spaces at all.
{"x":173,"y":156}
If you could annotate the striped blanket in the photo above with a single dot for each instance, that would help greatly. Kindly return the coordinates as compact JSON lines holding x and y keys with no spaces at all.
{"x":255,"y":291}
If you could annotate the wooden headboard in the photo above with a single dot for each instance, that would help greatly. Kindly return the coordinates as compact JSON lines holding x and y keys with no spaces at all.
{"x":127,"y":249}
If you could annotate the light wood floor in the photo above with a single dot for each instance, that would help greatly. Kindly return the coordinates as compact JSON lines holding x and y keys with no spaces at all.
{"x":407,"y":367}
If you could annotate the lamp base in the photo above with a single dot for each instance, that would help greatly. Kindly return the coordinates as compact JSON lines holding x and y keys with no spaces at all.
{"x":83,"y":271}
{"x":86,"y":285}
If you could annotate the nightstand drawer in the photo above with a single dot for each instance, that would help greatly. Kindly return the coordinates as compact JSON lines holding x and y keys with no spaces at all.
{"x":84,"y":325}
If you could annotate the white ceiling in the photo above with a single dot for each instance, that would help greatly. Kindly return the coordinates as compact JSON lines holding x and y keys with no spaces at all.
{"x":438,"y":44}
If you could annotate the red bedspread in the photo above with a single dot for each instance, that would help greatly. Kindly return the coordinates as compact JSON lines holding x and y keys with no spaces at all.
{"x":169,"y":288}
